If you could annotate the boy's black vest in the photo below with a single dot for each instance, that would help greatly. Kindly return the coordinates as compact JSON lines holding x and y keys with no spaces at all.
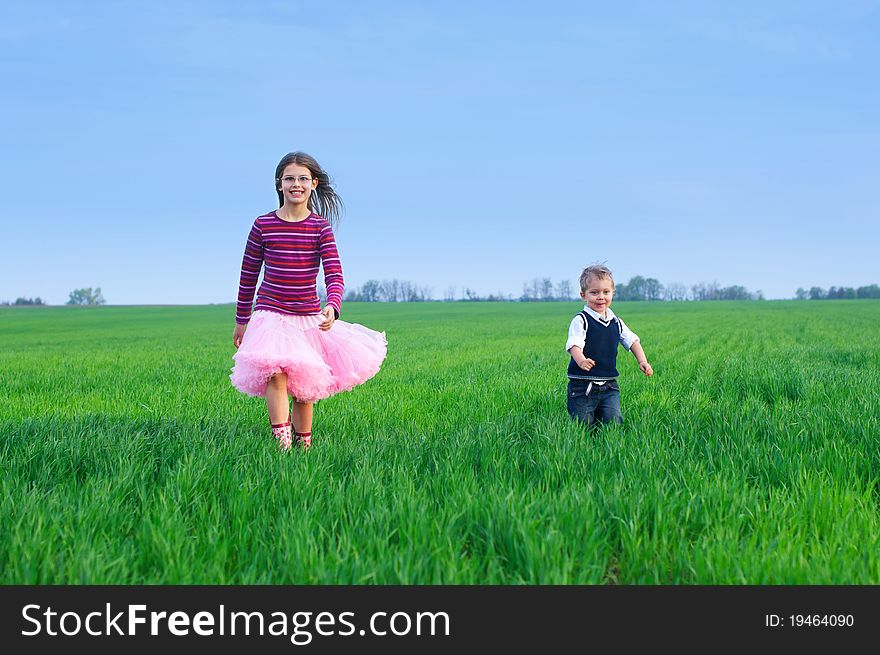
{"x":601,"y":347}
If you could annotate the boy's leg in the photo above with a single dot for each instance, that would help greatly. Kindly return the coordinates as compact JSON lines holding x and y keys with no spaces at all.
{"x":608,"y":407}
{"x":581,"y":400}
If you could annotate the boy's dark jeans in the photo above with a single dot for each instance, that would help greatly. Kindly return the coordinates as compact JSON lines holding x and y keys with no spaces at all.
{"x":594,"y":403}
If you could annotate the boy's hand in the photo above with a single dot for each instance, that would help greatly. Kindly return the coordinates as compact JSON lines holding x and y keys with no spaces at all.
{"x":587,"y":364}
{"x":646,"y":368}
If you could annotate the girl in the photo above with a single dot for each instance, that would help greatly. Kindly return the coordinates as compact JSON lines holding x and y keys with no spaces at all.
{"x":289,"y":346}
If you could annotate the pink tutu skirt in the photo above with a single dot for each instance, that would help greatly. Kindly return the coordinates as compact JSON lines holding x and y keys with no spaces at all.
{"x":318,"y":364}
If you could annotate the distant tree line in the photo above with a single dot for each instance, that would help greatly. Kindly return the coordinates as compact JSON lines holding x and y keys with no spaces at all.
{"x":87,"y":297}
{"x":712,"y":291}
{"x":544,"y":289}
{"x":639,"y":288}
{"x":540,"y":289}
{"x":472,"y":296}
{"x":388,"y":291}
{"x":838,"y":293}
{"x":25,"y":301}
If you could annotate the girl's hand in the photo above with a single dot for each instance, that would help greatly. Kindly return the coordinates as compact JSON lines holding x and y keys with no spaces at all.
{"x":646,"y":368}
{"x":587,"y":364}
{"x":329,"y":318}
{"x":238,"y":334}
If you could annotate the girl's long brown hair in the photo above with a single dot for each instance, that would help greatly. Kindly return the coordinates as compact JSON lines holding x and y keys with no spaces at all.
{"x":324,"y":200}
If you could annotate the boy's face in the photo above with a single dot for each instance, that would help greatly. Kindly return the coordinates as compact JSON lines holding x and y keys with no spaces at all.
{"x":598,"y":293}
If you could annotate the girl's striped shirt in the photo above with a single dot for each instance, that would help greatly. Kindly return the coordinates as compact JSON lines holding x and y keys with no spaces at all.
{"x":292,"y":253}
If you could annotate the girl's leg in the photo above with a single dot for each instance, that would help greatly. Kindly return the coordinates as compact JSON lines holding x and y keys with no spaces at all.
{"x":279,"y":409}
{"x":276,"y":399}
{"x":302,"y":422}
{"x":302,"y":416}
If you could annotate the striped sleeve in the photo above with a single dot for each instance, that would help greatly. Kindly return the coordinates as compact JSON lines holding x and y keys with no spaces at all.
{"x":332,"y":269}
{"x":251,"y":264}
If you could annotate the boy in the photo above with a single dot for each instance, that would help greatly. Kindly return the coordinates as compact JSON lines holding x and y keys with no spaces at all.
{"x":593,"y":335}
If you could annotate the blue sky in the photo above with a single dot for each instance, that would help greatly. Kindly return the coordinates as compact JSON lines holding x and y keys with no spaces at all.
{"x":475,"y":144}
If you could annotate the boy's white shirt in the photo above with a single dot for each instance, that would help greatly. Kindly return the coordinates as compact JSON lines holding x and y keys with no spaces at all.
{"x":577,"y":334}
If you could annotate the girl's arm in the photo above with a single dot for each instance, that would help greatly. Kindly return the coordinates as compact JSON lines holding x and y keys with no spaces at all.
{"x":332,"y":269}
{"x":639,"y":354}
{"x":251,"y":264}
{"x":238,"y":334}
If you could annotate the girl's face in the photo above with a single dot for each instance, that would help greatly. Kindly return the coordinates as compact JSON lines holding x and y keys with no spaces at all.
{"x":297,"y":185}
{"x":598,"y":294}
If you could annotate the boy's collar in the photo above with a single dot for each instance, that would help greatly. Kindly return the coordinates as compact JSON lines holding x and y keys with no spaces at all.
{"x":609,"y":315}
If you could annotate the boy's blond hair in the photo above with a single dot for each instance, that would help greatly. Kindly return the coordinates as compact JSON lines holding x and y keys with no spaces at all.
{"x":595,"y":270}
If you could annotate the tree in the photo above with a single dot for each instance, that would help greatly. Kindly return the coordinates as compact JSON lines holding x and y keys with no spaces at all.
{"x":735,"y":292}
{"x":390,"y":290}
{"x":817,"y":293}
{"x":635,"y":288}
{"x":546,"y":289}
{"x":800,"y":294}
{"x":640,"y":288}
{"x":370,"y":291}
{"x":29,"y":301}
{"x":675,"y":291}
{"x":86,"y":297}
{"x":531,"y":290}
{"x":563,"y":290}
{"x":410,"y":292}
{"x":870,"y":291}
{"x":535,"y":291}
{"x":653,"y":289}
{"x":705,"y":291}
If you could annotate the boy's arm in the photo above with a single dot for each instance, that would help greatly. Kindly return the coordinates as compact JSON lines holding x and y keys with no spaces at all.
{"x":639,"y":354}
{"x":577,"y":354}
{"x":577,"y":339}
{"x":630,"y":341}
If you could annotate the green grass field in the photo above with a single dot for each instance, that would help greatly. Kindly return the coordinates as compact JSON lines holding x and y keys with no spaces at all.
{"x":750,"y":457}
